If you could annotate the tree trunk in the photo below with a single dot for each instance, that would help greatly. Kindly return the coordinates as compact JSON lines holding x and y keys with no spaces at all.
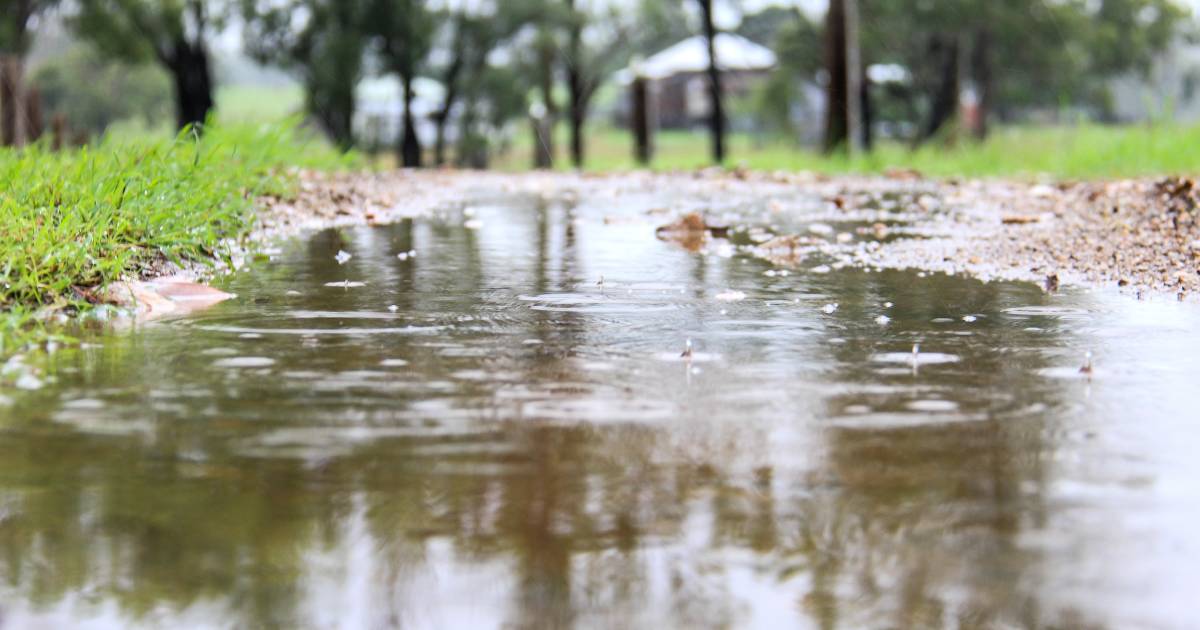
{"x":10,"y":82}
{"x":577,"y":114}
{"x":716,"y":121}
{"x":867,"y":113}
{"x":450,"y":81}
{"x":58,"y":126}
{"x":410,"y":145}
{"x":981,"y":71}
{"x":440,"y":120}
{"x":193,"y":84}
{"x":543,"y":124}
{"x":854,"y":79}
{"x":576,"y":86}
{"x":334,"y":111}
{"x":34,"y":125}
{"x":944,"y":105}
{"x":640,"y":120}
{"x":837,"y":102}
{"x":543,"y":143}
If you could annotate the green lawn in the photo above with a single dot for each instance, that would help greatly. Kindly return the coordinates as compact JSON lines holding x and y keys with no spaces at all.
{"x":258,"y":104}
{"x":1063,"y":152}
{"x":82,"y":218}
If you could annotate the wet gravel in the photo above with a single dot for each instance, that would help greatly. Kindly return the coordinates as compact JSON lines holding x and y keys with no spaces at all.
{"x":1139,"y":235}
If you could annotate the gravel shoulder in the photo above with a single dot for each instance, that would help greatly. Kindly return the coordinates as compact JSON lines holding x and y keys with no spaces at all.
{"x":1138,"y":235}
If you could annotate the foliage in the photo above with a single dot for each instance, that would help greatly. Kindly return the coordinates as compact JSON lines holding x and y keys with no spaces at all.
{"x":93,"y":91}
{"x":77,"y":219}
{"x":321,"y":41}
{"x":1044,"y":53}
{"x":145,"y":30}
{"x":797,"y":44}
{"x":402,"y":32}
{"x":174,"y":33}
{"x":16,"y":17}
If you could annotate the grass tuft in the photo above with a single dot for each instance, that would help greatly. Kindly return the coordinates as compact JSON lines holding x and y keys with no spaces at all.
{"x":78,"y":219}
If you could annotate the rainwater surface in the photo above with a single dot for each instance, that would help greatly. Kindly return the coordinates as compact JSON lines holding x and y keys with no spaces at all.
{"x":499,"y":430}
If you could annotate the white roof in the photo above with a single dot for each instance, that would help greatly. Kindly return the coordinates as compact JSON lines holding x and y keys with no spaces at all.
{"x":734,"y":52}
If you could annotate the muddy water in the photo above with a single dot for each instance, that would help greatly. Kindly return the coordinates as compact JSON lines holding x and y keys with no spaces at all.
{"x":485,"y":435}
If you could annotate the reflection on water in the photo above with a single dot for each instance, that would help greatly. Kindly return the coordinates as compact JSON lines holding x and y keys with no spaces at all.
{"x":518,"y":443}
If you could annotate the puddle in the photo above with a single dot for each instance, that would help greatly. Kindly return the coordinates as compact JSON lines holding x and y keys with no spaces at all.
{"x":503,"y":432}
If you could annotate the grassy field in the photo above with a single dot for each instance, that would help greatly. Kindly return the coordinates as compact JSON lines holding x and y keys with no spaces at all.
{"x":1066,"y":152}
{"x":77,"y":219}
{"x":238,"y":104}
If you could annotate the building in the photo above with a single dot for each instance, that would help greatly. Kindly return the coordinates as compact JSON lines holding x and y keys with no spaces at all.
{"x":678,"y":80}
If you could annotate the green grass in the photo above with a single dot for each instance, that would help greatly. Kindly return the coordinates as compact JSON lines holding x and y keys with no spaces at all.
{"x":258,"y":104}
{"x":1060,"y":152}
{"x":78,"y":219}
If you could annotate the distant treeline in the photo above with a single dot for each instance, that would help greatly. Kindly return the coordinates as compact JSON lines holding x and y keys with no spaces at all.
{"x":541,"y":62}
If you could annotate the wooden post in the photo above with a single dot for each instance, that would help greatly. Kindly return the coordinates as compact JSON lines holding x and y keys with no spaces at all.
{"x":640,"y":120}
{"x":33,"y":114}
{"x":58,"y":126}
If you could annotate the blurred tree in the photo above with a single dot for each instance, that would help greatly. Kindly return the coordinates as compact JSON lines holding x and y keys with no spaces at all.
{"x":716,"y":94}
{"x":596,"y":48}
{"x":765,"y":26}
{"x":659,"y":25}
{"x":323,"y":42}
{"x":1018,"y":53}
{"x":16,"y":19}
{"x":797,"y":44}
{"x":172,"y":32}
{"x":837,"y":102}
{"x":468,"y":38}
{"x":544,"y":109}
{"x":403,"y":32}
{"x":94,"y":92}
{"x":496,"y":96}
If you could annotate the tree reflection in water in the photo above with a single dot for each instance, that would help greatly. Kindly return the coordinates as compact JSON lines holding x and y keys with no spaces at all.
{"x":539,"y":467}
